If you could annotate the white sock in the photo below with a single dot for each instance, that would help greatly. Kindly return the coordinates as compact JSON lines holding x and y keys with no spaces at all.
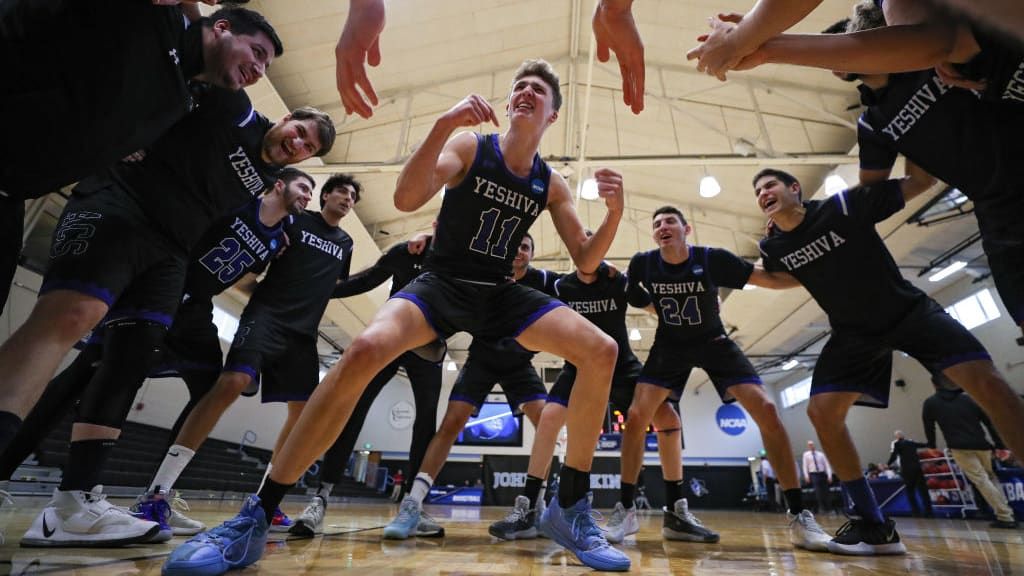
{"x":540,"y":494}
{"x":421,"y":487}
{"x":325,"y":490}
{"x":174,"y":464}
{"x":266,"y":474}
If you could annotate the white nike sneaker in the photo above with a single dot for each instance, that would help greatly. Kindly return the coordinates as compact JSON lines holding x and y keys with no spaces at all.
{"x":78,"y":518}
{"x":621,"y":524}
{"x":806,"y":533}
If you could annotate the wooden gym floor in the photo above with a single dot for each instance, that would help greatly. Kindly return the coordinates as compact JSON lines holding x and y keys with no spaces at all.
{"x":752,"y":544}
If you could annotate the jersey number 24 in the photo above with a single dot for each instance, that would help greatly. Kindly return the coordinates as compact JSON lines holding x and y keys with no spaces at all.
{"x":672,"y":314}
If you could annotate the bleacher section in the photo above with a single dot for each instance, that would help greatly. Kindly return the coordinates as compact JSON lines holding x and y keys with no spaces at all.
{"x":218,"y":468}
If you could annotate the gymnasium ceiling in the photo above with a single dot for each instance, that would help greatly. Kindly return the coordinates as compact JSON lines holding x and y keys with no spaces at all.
{"x":436,"y":52}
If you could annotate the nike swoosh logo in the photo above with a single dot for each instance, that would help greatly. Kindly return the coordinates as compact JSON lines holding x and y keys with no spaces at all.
{"x":175,"y":454}
{"x":47,"y":531}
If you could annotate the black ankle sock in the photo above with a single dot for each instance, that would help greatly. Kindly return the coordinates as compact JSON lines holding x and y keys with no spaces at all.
{"x":627,"y":494}
{"x":9,"y":425}
{"x":673,"y":492}
{"x":794,"y":500}
{"x":532,"y":489}
{"x":86,"y":459}
{"x":573,"y":486}
{"x":271,"y":495}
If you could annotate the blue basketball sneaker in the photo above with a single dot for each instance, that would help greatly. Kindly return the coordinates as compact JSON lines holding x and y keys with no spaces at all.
{"x":234,"y":544}
{"x":155,"y":509}
{"x":406,"y":522}
{"x":574,"y":528}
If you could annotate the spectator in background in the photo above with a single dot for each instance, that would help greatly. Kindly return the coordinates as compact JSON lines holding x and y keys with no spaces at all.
{"x":818,"y":473}
{"x":398,"y":479}
{"x":961,"y":421}
{"x":904,"y":450}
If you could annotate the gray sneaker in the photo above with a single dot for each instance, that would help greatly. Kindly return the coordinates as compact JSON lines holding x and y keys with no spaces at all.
{"x":680,"y":524}
{"x":519,"y":524}
{"x":428,"y":527}
{"x":806,"y":533}
{"x":311,"y":521}
{"x":621,"y":524}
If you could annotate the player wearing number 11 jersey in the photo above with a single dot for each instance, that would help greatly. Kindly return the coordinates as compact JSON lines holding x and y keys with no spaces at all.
{"x":679,"y":284}
{"x":495,"y":188}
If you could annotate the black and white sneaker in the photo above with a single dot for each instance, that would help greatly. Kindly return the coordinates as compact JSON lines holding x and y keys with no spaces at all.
{"x":680,"y":524}
{"x":860,"y":537}
{"x":519,"y":524}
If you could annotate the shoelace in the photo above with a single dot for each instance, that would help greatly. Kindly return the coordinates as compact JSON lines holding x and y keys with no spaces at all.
{"x":586,"y":525}
{"x":845,"y":528}
{"x":692,"y":519}
{"x":231,"y":530}
{"x":516,"y":514}
{"x":179,"y":502}
{"x":618,"y":517}
{"x":810,"y":523}
{"x":405,"y":514}
{"x":315,"y":508}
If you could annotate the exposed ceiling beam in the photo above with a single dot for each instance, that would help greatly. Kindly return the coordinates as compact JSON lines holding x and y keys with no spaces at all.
{"x":622,"y":162}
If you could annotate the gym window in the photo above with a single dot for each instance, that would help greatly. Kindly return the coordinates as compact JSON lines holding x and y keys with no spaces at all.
{"x":796,"y":393}
{"x":975,"y":310}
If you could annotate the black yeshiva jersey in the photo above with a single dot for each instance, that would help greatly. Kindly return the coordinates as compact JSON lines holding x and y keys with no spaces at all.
{"x":299,"y":284}
{"x":396,"y":264}
{"x":603,"y":302}
{"x":838,"y":256}
{"x":485,"y":216}
{"x":1000,"y":64}
{"x":233,"y":246}
{"x":948,"y":132}
{"x":87,"y":83}
{"x":207,"y":165}
{"x":540,"y":279}
{"x":686,"y":295}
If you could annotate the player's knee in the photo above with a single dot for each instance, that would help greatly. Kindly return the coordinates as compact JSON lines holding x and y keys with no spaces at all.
{"x":637,"y":417}
{"x":366,"y":349}
{"x":450,"y":427}
{"x":766,"y":413}
{"x":230,"y":386}
{"x":69,"y":319}
{"x":600,"y":351}
{"x":821,"y":416}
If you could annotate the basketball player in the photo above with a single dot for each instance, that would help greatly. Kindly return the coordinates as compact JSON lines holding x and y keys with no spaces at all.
{"x":401,"y":264}
{"x":124,"y":238}
{"x":72,"y":92}
{"x":504,"y":362}
{"x":832,"y":248}
{"x":916,"y":114}
{"x":277,"y":333}
{"x":679,"y":284}
{"x":496,"y":187}
{"x":240,"y":243}
{"x":600,"y":297}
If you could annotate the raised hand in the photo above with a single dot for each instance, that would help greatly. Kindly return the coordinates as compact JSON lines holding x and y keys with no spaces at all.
{"x":609,"y":187}
{"x":471,"y":111}
{"x":615,"y":31}
{"x":718,"y":52}
{"x":359,"y":45}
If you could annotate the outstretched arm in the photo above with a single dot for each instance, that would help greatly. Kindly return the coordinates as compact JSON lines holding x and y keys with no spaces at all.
{"x":879,"y":51}
{"x":359,"y":45}
{"x":774,"y":280}
{"x":587,"y":253}
{"x":725,"y":47}
{"x":616,"y":31}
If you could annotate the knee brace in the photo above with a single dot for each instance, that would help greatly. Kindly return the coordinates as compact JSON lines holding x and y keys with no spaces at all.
{"x":131,"y":349}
